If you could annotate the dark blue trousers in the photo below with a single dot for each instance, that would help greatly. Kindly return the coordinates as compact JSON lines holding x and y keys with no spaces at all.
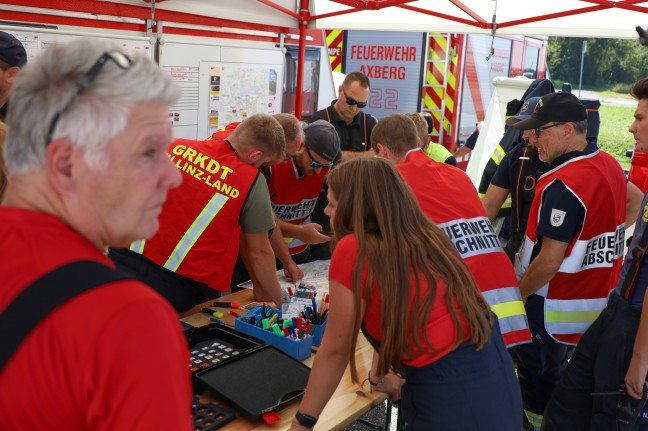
{"x":599,"y":364}
{"x":466,"y":390}
{"x":540,"y":363}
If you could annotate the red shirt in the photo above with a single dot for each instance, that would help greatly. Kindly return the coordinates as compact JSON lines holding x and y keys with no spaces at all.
{"x":441,"y":328}
{"x":294,"y":196}
{"x":112,"y":358}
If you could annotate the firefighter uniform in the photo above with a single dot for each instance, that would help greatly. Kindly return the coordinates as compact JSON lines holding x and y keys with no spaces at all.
{"x":353,"y":137}
{"x":294,"y":196}
{"x":447,"y":196}
{"x":199,"y":225}
{"x":439,"y":153}
{"x":191,"y":258}
{"x":562,"y":310}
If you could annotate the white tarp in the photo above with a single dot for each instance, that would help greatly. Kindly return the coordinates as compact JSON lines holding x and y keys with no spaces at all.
{"x":610,"y":22}
{"x":595,"y":18}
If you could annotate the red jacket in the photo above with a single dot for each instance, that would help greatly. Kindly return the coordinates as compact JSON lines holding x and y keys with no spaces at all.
{"x":447,"y":196}
{"x":293,"y":197}
{"x":578,"y":292}
{"x":199,"y":225}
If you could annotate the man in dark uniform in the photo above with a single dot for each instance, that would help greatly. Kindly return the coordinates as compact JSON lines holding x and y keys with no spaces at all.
{"x":345,"y":113}
{"x":354,"y":129}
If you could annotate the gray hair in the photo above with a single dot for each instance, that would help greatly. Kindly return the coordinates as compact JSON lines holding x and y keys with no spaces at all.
{"x":48,"y":87}
{"x":580,"y":126}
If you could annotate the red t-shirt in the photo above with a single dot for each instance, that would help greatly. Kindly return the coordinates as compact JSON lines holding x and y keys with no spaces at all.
{"x":112,"y":358}
{"x":441,"y":329}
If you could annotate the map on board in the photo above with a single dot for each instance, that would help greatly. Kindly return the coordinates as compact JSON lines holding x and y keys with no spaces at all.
{"x":237,"y":92}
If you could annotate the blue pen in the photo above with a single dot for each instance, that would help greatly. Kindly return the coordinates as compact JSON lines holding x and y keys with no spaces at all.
{"x":314,"y":304}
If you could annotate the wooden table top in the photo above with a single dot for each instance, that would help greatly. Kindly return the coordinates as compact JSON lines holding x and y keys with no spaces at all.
{"x":349,"y":402}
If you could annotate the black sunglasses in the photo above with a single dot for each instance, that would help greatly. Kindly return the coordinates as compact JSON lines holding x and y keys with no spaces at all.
{"x":537,"y":131}
{"x":315,"y":164}
{"x":118,"y":57}
{"x":351,"y":101}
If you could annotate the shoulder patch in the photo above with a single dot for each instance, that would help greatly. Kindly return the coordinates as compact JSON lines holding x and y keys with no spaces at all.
{"x":557,"y":217}
{"x":645,"y":214}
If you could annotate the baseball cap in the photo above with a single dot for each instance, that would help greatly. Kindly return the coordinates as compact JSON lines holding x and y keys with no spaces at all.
{"x":525,"y":111}
{"x":12,"y":51}
{"x":560,"y":107}
{"x":430,"y":124}
{"x":322,"y":138}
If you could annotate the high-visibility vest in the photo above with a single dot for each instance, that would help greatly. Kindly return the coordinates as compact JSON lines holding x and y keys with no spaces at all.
{"x":199,"y":225}
{"x":578,"y":292}
{"x":447,"y":196}
{"x":293,"y":196}
{"x":438,"y":152}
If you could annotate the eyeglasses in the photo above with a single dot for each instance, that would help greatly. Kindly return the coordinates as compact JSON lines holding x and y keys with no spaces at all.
{"x":351,"y":101}
{"x":119,"y":58}
{"x":315,"y":164}
{"x":537,"y":131}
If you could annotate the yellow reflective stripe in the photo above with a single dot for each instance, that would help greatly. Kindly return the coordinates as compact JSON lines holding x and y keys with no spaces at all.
{"x":534,"y":419}
{"x":196,"y":229}
{"x":481,"y":195}
{"x":138,"y":246}
{"x":571,"y":316}
{"x":498,"y":155}
{"x":508,"y":309}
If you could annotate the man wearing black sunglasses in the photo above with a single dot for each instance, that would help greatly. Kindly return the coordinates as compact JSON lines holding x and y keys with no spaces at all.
{"x":354,"y":128}
{"x":572,"y":253}
{"x":345,"y":114}
{"x":296,"y":184}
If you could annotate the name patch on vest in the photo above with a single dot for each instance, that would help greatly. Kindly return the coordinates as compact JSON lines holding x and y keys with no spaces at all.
{"x":203,"y":168}
{"x":297,"y":211}
{"x":603,"y":250}
{"x":472,"y":236}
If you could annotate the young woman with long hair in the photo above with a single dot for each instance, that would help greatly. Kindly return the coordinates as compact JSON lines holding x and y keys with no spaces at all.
{"x":397,"y":277}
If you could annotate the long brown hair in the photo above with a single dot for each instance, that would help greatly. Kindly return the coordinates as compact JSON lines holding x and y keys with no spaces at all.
{"x":397,"y":241}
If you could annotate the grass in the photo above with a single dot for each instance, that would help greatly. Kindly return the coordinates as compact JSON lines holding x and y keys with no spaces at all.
{"x":614,"y":137}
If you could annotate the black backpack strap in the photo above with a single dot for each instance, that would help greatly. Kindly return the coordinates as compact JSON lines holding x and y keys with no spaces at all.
{"x":44,"y":295}
{"x":633,"y":271}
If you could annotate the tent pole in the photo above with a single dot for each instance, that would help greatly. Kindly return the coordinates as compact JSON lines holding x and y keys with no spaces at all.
{"x":304,"y":17}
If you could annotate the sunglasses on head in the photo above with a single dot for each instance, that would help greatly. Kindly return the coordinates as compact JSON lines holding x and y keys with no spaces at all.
{"x":83,"y":84}
{"x":351,"y":101}
{"x":537,"y":131}
{"x":315,"y":164}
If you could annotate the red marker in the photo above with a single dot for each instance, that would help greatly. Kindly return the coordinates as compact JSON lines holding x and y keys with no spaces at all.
{"x":226,"y":304}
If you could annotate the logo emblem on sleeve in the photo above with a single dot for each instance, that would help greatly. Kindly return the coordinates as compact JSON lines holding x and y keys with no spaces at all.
{"x":557,"y":217}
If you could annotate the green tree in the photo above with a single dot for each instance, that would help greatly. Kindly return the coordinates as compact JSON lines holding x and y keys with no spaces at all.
{"x":607,"y":62}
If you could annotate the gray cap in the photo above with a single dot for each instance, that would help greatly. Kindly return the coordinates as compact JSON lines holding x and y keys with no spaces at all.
{"x":322,"y":138}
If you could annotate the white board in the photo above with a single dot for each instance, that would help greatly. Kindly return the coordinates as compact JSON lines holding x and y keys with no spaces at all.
{"x":221,"y":83}
{"x":36,"y":40}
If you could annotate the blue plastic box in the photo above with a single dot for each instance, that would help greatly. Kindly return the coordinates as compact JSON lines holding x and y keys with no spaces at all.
{"x":298,"y":349}
{"x":318,"y":334}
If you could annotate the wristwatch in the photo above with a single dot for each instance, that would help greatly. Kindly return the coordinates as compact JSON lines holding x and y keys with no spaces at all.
{"x":305,"y":420}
